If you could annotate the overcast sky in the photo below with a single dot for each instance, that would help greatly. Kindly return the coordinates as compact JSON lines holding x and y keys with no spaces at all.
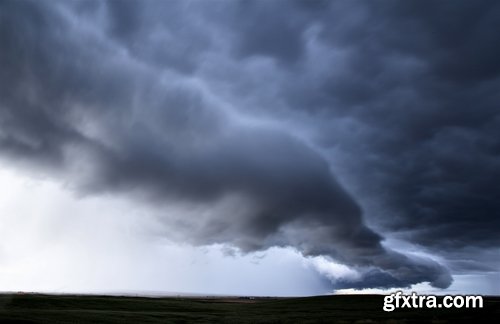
{"x":250,"y":147}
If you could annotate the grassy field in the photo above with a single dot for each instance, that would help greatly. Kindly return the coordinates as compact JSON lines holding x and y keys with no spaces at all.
{"x":33,"y":308}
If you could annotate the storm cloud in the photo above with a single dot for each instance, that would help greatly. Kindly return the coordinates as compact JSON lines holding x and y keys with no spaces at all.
{"x":269,"y":123}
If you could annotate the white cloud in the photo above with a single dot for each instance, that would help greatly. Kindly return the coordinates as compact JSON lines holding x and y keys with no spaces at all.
{"x":334,"y":271}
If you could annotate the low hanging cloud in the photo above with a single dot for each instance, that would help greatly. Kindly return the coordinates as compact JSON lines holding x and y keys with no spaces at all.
{"x":85,"y":99}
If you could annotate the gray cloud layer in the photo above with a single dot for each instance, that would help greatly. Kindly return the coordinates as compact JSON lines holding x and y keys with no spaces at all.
{"x":178,"y":103}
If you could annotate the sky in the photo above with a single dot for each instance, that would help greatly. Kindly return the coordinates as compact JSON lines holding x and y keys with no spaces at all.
{"x":276,"y":148}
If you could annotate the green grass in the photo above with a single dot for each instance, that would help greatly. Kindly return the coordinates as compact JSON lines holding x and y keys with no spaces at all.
{"x":33,"y":308}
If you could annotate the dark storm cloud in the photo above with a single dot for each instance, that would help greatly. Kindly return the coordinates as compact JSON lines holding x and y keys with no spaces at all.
{"x":158,"y":34}
{"x":263,"y":29}
{"x":416,"y":83}
{"x":116,"y":97}
{"x":376,"y":278}
{"x":429,"y":104}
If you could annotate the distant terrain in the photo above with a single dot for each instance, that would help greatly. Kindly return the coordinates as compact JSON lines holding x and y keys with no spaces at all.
{"x":36,"y":308}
